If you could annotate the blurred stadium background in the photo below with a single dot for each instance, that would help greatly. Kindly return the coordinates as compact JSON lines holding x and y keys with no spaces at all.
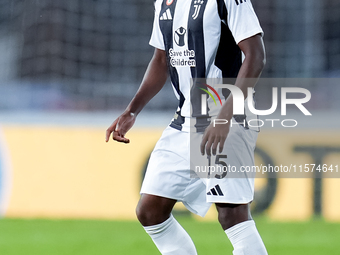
{"x":91,"y":55}
{"x":68,"y":67}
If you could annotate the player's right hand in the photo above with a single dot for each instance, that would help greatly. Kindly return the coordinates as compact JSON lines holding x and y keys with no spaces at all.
{"x":120,"y":127}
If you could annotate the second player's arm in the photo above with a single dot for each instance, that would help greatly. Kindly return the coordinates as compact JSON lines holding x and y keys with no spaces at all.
{"x":153,"y":81}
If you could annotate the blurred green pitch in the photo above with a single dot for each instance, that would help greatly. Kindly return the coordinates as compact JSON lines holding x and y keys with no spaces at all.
{"x":86,"y":237}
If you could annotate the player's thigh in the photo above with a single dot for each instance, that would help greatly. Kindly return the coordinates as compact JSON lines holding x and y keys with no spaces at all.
{"x":168,"y":171}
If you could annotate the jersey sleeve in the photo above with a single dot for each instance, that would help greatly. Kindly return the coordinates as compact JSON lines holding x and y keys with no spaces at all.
{"x":156,"y":39}
{"x":242,"y":20}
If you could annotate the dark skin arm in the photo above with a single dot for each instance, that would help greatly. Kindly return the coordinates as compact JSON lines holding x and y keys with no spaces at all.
{"x":153,"y":81}
{"x":253,"y":49}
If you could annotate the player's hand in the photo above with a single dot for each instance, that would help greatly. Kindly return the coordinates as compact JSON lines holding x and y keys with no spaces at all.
{"x":213,"y":137}
{"x":120,"y":127}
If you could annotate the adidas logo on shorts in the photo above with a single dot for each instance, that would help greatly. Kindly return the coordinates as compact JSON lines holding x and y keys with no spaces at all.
{"x":216,"y":191}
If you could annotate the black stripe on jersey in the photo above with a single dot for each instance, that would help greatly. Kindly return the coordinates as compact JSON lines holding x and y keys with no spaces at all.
{"x":196,"y":43}
{"x":167,"y":31}
{"x":229,"y":56}
{"x":222,"y":10}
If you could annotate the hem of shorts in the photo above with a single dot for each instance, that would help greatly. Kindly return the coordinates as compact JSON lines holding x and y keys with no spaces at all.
{"x":224,"y":201}
{"x":194,"y":211}
{"x":159,"y":195}
{"x":178,"y":200}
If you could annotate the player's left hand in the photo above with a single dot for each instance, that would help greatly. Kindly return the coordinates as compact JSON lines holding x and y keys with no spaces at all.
{"x":213,"y":137}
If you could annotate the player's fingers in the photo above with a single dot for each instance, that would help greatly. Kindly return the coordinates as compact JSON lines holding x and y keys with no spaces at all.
{"x":215,"y":144}
{"x":203,"y":143}
{"x":111,"y":129}
{"x":222,"y":141}
{"x":119,"y":138}
{"x":107,"y":135}
{"x":208,"y":145}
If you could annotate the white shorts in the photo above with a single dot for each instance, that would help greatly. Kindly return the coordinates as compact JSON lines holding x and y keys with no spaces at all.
{"x":168,"y":173}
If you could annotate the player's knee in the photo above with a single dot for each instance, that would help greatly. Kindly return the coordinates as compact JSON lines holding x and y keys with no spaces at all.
{"x":148,"y":216}
{"x":224,"y":220}
{"x":142,"y":215}
{"x":232,"y":214}
{"x":152,"y":210}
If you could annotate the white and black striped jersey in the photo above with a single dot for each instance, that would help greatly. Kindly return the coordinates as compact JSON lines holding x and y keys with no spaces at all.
{"x":200,"y":39}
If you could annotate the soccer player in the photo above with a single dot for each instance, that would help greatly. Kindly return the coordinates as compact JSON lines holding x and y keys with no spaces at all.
{"x":199,"y":39}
